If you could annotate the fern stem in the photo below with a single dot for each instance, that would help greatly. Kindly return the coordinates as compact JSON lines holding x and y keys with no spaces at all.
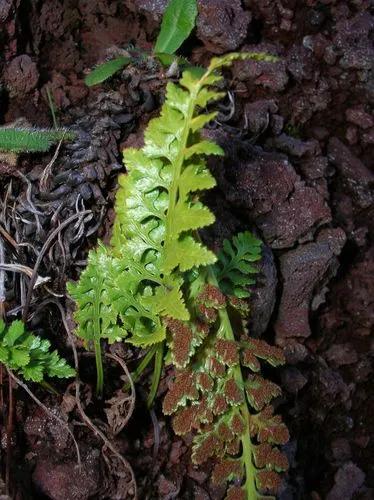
{"x":97,"y":346}
{"x":173,"y":193}
{"x":49,"y":387}
{"x":225,"y":331}
{"x":99,"y":368}
{"x":135,"y":375}
{"x":156,"y":373}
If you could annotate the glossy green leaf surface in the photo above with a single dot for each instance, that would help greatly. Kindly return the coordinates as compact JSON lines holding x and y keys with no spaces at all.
{"x":177,"y":23}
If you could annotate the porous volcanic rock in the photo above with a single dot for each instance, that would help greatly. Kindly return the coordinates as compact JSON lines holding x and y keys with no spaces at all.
{"x":152,"y":8}
{"x":21,"y":76}
{"x":348,"y":480}
{"x":222,"y":24}
{"x":66,"y":481}
{"x":357,"y":178}
{"x":304,"y":270}
{"x":5,"y":6}
{"x":271,"y":75}
{"x":258,"y":114}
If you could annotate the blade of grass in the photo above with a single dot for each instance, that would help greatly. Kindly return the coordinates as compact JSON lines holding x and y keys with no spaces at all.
{"x":52,"y":108}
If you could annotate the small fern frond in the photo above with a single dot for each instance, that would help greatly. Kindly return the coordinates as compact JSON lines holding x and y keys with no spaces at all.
{"x":157,"y":205}
{"x":30,"y":355}
{"x":95,"y":317}
{"x":24,"y":140}
{"x":234,"y":267}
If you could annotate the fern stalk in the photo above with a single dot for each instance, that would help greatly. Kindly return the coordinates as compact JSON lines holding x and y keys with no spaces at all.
{"x":157,"y":285}
{"x":247,"y":453}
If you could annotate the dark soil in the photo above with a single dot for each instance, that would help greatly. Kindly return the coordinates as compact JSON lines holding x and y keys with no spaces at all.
{"x":298,"y":137}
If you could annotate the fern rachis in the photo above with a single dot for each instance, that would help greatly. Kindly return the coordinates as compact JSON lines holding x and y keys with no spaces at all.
{"x":158,"y":284}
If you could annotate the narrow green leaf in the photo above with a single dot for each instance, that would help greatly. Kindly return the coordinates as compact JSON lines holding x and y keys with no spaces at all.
{"x":19,"y":140}
{"x":106,"y":70}
{"x":177,"y":23}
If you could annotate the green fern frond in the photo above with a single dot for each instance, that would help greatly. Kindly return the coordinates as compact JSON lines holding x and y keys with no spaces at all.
{"x":29,"y":355}
{"x":163,"y":286}
{"x":157,"y":215}
{"x":234,"y":266}
{"x":95,"y":317}
{"x":24,"y":140}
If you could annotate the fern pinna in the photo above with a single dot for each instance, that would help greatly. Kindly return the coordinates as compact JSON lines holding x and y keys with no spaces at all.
{"x":157,"y":285}
{"x":29,"y":355}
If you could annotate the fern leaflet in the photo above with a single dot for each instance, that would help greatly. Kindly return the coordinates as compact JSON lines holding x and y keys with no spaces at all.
{"x":30,"y":355}
{"x":234,"y":267}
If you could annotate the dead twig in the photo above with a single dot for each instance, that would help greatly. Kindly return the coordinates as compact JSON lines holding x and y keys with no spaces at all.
{"x":2,"y":279}
{"x":8,"y":237}
{"x":19,"y":268}
{"x":98,"y":432}
{"x":85,"y":418}
{"x":48,"y":169}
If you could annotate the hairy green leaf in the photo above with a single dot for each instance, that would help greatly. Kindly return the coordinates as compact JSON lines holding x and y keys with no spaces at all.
{"x":29,"y":355}
{"x":177,"y":23}
{"x":19,"y":140}
{"x":105,"y":70}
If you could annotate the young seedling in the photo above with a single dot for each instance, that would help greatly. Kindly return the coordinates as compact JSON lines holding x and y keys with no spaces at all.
{"x":158,"y":286}
{"x":29,"y":355}
{"x":177,"y":23}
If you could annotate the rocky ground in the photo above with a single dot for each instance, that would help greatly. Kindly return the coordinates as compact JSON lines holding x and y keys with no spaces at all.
{"x":298,"y":136}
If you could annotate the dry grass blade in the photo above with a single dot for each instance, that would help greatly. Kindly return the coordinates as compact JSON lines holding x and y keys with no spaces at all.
{"x":20,"y":268}
{"x":48,"y":169}
{"x":122,"y":405}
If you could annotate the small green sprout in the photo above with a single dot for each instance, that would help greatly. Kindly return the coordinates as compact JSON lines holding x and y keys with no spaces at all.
{"x":29,"y":355}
